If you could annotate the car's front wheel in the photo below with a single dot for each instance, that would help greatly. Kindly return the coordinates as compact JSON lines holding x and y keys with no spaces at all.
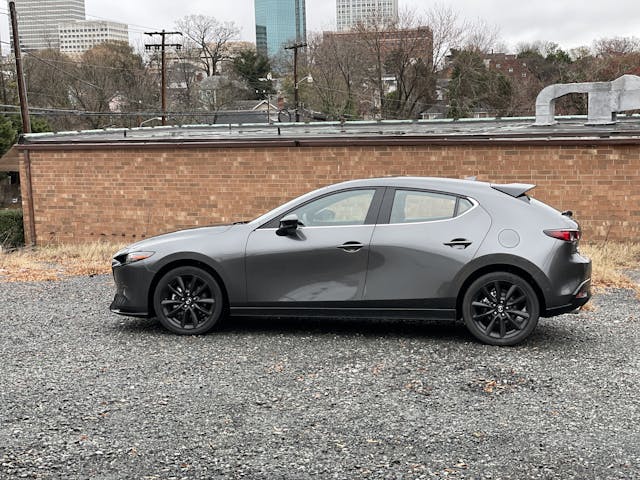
{"x":500,"y":308}
{"x":188,"y":301}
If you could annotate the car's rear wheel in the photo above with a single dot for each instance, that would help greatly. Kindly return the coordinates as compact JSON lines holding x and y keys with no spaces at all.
{"x":188,"y":301}
{"x":500,"y":308}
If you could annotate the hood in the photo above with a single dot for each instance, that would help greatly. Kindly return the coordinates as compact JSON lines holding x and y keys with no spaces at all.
{"x":157,"y":242}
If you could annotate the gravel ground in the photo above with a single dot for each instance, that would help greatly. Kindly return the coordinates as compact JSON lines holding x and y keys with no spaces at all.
{"x":88,"y":394}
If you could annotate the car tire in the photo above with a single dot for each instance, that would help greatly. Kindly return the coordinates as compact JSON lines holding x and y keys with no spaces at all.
{"x":500,"y":308}
{"x":188,"y":301}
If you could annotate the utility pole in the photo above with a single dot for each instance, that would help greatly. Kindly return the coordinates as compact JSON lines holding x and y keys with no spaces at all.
{"x":162,"y":47}
{"x":26,"y":125}
{"x":22,"y":91}
{"x":296,"y":94}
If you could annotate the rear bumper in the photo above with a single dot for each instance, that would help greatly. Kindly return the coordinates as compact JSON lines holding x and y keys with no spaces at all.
{"x":574,"y":287}
{"x":578,"y":300}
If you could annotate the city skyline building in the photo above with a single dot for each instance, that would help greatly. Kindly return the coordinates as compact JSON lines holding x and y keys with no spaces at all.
{"x":279,"y":23}
{"x":39,"y":19}
{"x":350,"y":13}
{"x":62,"y":25}
{"x":80,"y":36}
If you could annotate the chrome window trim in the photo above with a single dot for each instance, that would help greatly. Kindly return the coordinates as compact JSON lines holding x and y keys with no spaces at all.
{"x":301,"y":227}
{"x":473,"y":207}
{"x":285,"y":211}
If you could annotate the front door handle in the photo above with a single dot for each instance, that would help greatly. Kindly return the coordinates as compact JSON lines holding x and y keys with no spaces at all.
{"x":351,"y":247}
{"x":459,"y":243}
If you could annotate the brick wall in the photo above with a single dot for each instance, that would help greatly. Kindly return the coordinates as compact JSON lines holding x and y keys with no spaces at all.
{"x":131,"y":193}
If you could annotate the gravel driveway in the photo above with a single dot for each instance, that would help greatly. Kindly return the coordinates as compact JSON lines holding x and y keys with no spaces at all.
{"x":88,"y":394}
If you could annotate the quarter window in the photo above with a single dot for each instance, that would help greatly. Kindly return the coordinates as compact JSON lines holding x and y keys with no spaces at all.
{"x":344,"y":208}
{"x":463,"y":206}
{"x":413,"y":206}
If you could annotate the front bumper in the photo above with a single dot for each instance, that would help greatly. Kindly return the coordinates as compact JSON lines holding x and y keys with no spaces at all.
{"x":133,"y":282}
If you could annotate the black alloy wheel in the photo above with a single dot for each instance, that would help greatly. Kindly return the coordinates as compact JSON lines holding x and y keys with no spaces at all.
{"x":188,"y":301}
{"x":500,"y":308}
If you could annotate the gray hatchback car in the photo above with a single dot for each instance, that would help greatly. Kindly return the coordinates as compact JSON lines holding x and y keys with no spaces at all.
{"x":388,"y":247}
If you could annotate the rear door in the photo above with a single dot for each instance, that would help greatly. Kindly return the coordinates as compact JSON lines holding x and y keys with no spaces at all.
{"x":421,"y":242}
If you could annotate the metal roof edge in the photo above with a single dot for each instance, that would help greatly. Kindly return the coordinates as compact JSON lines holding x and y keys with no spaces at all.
{"x":332,"y":142}
{"x":344,"y":133}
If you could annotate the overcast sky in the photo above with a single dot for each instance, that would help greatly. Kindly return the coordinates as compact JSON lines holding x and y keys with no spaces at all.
{"x":570,"y":23}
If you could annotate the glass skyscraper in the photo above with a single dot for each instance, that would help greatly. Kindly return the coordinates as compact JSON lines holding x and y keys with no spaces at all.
{"x":279,"y":23}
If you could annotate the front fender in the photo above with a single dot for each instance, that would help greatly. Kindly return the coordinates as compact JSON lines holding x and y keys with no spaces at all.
{"x":229,"y":270}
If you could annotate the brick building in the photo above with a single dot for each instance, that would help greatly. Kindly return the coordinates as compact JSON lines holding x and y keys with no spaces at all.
{"x":417,"y":42}
{"x":129,"y":184}
{"x":508,"y":64}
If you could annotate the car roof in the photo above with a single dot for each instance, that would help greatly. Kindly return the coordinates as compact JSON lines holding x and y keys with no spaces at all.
{"x":452,"y":185}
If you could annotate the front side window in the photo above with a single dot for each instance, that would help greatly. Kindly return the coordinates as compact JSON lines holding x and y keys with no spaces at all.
{"x":344,"y":208}
{"x":413,"y":206}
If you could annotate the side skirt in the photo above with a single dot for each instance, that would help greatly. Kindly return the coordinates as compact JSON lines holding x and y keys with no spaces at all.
{"x":409,"y":313}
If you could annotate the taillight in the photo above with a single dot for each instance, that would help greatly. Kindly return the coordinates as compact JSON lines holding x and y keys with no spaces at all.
{"x":564,"y":235}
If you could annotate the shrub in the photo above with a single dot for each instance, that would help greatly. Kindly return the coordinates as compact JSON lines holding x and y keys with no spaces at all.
{"x":11,"y":228}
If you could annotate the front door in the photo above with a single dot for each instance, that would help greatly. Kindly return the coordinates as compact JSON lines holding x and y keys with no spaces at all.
{"x":323,"y":262}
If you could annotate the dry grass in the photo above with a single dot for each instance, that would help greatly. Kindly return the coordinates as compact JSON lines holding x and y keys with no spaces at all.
{"x":54,"y":262}
{"x":610,"y":260}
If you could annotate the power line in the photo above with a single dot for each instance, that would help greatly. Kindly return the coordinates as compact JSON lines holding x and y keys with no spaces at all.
{"x":64,"y":111}
{"x":71,"y":62}
{"x":62,"y":71}
{"x":142,"y":28}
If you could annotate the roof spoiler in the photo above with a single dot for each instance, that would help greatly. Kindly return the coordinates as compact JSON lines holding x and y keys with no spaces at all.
{"x":515,"y":190}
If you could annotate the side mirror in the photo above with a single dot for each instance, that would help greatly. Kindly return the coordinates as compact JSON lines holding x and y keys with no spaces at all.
{"x":288,"y":225}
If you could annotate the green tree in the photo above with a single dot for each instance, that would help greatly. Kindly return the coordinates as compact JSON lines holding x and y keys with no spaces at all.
{"x":254,"y":68}
{"x":468,"y":83}
{"x":8,"y":134}
{"x":473,"y":86}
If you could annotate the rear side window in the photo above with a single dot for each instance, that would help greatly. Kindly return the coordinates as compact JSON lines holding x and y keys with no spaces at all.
{"x":414,"y":206}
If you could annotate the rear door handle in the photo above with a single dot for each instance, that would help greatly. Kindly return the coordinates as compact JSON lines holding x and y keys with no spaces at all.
{"x":459,"y":243}
{"x":351,"y":247}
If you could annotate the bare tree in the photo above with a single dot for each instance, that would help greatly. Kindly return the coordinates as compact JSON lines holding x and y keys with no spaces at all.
{"x":452,"y":32}
{"x":370,"y":37}
{"x":206,"y":39}
{"x":337,"y":72}
{"x":110,"y":77}
{"x":481,"y":36}
{"x":400,"y":63}
{"x":608,"y":47}
{"x":183,"y":81}
{"x":48,"y":73}
{"x":448,"y":32}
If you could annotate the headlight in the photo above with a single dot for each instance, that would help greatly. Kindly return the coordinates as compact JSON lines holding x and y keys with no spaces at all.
{"x":136,"y":256}
{"x":124,"y":258}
